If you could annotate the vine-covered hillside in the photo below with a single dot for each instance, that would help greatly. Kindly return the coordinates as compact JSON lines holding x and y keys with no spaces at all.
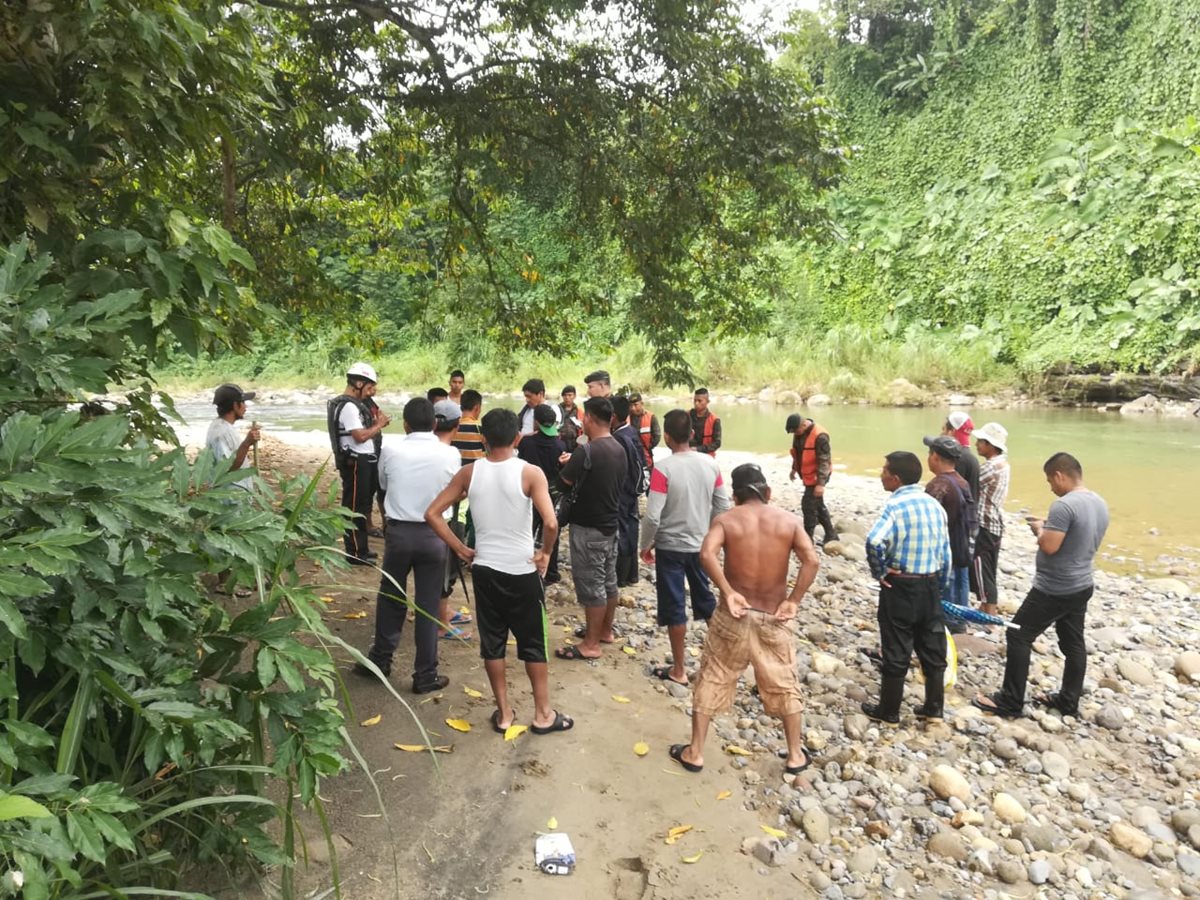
{"x":1027,"y":172}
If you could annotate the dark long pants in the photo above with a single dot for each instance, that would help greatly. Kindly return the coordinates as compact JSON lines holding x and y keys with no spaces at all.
{"x":815,"y":513}
{"x":1066,"y":612}
{"x":628,"y":523}
{"x":983,"y":567}
{"x":358,"y":492}
{"x":410,"y":546}
{"x":552,"y":566}
{"x":911,"y":618}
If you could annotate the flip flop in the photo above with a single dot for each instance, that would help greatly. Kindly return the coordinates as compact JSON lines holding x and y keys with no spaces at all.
{"x":993,"y":709}
{"x":560,"y":723}
{"x":581,"y":632}
{"x":495,"y":720}
{"x":796,"y":770}
{"x":676,"y":753}
{"x":456,"y":634}
{"x":460,"y":619}
{"x":572,"y":653}
{"x":663,"y":673}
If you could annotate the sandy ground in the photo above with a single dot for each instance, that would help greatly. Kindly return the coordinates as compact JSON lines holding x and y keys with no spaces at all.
{"x":464,"y":824}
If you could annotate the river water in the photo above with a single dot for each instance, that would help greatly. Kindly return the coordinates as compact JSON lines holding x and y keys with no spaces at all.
{"x":1144,"y":466}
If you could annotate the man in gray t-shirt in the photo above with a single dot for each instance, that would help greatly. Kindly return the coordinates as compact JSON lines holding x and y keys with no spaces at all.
{"x":1068,"y":539}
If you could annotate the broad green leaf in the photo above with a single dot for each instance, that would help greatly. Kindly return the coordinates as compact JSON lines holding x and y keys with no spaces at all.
{"x":14,"y":806}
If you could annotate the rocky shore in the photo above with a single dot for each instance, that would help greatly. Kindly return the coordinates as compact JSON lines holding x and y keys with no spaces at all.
{"x":1104,"y":805}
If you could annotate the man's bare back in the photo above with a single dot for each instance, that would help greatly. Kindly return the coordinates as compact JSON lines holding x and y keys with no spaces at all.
{"x":758,"y":541}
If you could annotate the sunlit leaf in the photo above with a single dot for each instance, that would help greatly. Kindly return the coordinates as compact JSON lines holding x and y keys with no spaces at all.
{"x":374,"y":720}
{"x":774,"y":832}
{"x":641,"y":748}
{"x":694,"y":858}
{"x":459,"y":724}
{"x":512,"y":732}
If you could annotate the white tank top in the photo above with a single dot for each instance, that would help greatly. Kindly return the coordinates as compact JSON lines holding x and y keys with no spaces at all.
{"x":503,"y":516}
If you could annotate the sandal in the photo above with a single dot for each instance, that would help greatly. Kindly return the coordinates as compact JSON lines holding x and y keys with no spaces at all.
{"x":460,"y":618}
{"x":581,"y":632}
{"x":456,"y":634}
{"x":676,"y":753}
{"x":1049,"y":699}
{"x":796,"y":770}
{"x":572,"y":653}
{"x":991,"y":708}
{"x":560,"y":723}
{"x":663,"y":673}
{"x":495,"y":720}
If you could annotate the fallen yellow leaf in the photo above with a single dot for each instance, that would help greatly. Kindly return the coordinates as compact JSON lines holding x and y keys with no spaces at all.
{"x":621,"y":699}
{"x":459,"y":724}
{"x":361,"y":614}
{"x":735,"y":750}
{"x":693,"y":652}
{"x":674,"y":834}
{"x":724,"y":795}
{"x":512,"y":732}
{"x":629,"y":650}
{"x":422,"y":748}
{"x":471,"y":692}
{"x":374,"y":720}
{"x":773,"y":832}
{"x":327,"y":599}
{"x":641,"y":748}
{"x":695,"y":857}
{"x":552,"y":823}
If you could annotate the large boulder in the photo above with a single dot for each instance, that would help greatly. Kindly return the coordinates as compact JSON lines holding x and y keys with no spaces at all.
{"x":902,"y":392}
{"x":1147,"y":403}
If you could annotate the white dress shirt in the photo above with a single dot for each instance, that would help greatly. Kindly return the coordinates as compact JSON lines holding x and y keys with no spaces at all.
{"x":413,"y":472}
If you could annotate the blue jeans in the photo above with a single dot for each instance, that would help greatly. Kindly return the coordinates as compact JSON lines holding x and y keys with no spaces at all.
{"x":959,"y":588}
{"x":672,"y":570}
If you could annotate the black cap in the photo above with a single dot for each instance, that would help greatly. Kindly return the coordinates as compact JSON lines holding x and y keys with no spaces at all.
{"x":227,"y":394}
{"x":599,"y":375}
{"x":635,"y":397}
{"x":748,"y":475}
{"x":944,"y":446}
{"x":793,"y":423}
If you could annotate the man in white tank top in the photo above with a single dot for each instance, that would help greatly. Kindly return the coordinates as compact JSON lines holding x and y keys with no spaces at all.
{"x":505,"y":569}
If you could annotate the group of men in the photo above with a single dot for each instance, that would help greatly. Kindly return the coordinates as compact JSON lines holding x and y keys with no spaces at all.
{"x":524,"y":476}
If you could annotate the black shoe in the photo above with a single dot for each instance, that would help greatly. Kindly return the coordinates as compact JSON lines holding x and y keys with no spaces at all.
{"x":362,"y":671}
{"x":371,"y":555}
{"x":361,"y":561}
{"x":552,"y":578}
{"x":428,"y":687}
{"x":923,"y":712}
{"x":873,"y":711}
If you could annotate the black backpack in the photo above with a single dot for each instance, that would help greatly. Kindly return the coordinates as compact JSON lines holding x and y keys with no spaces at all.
{"x":333,"y":415}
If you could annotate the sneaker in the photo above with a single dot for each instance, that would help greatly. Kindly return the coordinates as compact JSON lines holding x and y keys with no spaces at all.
{"x":428,"y":687}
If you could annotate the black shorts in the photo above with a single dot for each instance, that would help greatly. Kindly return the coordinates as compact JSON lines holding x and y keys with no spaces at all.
{"x":505,"y":603}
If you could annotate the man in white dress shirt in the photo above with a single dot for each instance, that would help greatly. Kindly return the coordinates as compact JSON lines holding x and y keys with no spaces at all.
{"x":412,"y":473}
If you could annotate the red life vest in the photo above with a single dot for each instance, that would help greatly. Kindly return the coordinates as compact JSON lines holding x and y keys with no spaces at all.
{"x":808,"y":455}
{"x":642,"y":427}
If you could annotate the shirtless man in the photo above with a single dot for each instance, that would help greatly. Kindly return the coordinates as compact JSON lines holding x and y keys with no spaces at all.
{"x":750,"y":625}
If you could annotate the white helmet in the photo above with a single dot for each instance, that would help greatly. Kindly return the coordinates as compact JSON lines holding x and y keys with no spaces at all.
{"x":362,"y":370}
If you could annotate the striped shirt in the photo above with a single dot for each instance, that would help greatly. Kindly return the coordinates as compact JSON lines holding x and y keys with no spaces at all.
{"x":468,"y":441}
{"x":993,"y":490}
{"x":911,"y":536}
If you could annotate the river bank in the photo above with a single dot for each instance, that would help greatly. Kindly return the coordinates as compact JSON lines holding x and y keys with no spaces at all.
{"x":1106,"y":805}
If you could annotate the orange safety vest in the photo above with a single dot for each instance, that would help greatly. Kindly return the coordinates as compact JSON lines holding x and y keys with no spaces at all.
{"x":642,"y":427}
{"x":710,"y":422}
{"x":808,"y":455}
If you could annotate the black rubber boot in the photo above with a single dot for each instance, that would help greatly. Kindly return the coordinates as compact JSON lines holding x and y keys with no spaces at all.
{"x":935,"y":696}
{"x":887,"y":710}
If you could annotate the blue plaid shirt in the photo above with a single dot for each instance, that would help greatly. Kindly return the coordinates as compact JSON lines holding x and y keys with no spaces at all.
{"x":910,"y":535}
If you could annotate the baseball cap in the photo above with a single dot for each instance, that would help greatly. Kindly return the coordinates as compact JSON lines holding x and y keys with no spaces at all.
{"x":748,"y":475}
{"x":599,"y":375}
{"x":231,"y":393}
{"x":995,"y":434}
{"x":635,"y":397}
{"x":546,"y":421}
{"x":793,"y":423}
{"x":944,"y":446}
{"x":962,"y":426}
{"x":447,"y":411}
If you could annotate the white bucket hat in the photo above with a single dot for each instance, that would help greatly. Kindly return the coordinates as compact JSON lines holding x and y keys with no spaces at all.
{"x":995,"y":434}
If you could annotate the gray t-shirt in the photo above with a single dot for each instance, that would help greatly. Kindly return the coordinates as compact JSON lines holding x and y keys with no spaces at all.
{"x":1083,"y":517}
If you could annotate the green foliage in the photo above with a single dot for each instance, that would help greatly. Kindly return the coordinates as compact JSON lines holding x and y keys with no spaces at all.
{"x":1038,"y":192}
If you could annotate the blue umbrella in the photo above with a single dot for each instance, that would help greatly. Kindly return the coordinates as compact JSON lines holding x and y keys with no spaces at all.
{"x":975,"y":615}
